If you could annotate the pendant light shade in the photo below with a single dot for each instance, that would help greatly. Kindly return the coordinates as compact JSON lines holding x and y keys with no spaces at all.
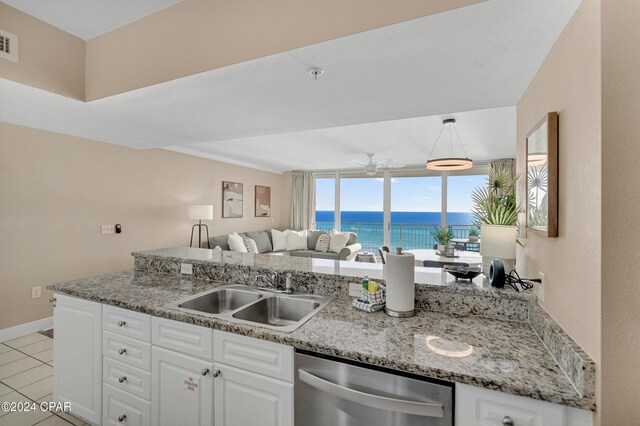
{"x":449,"y":163}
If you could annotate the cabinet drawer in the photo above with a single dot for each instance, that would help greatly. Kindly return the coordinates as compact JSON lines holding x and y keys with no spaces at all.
{"x":267,"y":358}
{"x":182,"y":337}
{"x":127,"y":350}
{"x":127,"y":378}
{"x":127,"y":323}
{"x":484,"y":407}
{"x":121,"y":408}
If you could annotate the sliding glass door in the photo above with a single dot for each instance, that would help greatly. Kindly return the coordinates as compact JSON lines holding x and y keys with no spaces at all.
{"x":397,"y":209}
{"x":416,"y":208}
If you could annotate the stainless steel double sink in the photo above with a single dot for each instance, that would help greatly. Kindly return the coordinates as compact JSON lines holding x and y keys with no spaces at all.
{"x":255,"y":306}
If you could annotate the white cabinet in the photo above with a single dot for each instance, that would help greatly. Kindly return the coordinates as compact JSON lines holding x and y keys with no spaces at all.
{"x":483,"y":407}
{"x":244,"y":398}
{"x":77,"y":350}
{"x":181,"y":389}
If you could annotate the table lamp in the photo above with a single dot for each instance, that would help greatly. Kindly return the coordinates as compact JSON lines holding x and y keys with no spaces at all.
{"x":498,"y":242}
{"x":200,"y":213}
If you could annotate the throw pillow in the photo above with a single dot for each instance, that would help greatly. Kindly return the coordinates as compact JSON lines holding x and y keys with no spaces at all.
{"x":296,"y":240}
{"x":312,"y":238}
{"x":250,"y":244}
{"x":338,"y":241}
{"x":236,"y":243}
{"x":262,"y":240}
{"x":323,"y":243}
{"x":279,"y":240}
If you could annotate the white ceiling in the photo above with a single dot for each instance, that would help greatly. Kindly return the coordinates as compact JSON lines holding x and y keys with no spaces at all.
{"x":87,"y":19}
{"x":480,"y":57}
{"x":485,"y":134}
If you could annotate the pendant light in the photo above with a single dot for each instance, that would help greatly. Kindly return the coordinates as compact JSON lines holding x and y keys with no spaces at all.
{"x":449,"y":163}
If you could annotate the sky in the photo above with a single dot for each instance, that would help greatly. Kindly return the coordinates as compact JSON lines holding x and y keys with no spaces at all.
{"x":414,"y":194}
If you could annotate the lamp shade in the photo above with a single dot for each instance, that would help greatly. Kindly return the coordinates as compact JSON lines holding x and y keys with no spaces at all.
{"x":200,"y":212}
{"x":498,"y":241}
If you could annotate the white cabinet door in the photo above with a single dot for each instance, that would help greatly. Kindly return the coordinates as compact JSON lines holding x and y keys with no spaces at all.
{"x":243,"y":398}
{"x":77,"y":351}
{"x":483,"y":407}
{"x":182,"y":389}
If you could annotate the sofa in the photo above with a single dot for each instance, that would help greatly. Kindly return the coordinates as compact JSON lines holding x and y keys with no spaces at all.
{"x":264,"y":242}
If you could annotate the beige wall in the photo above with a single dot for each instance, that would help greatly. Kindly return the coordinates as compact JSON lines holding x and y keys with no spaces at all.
{"x":620,"y":206}
{"x":56,"y":191}
{"x":50,"y":59}
{"x":569,"y":82}
{"x":200,"y":35}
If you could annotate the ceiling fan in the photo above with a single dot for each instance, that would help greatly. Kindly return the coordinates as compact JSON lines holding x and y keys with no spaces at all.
{"x":371,"y":168}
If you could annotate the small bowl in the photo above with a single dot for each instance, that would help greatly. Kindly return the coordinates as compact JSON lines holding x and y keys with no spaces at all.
{"x":463,"y":272}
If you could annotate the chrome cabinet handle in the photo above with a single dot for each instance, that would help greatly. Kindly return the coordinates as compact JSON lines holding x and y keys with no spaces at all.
{"x":204,"y":371}
{"x":122,"y":351}
{"x":122,"y":379}
{"x":122,"y":323}
{"x":506,"y":421}
{"x":370,"y":400}
{"x":215,"y":373}
{"x":53,"y":301}
{"x":122,"y":418}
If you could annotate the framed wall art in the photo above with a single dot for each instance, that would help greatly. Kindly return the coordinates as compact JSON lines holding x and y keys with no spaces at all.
{"x":542,"y":177}
{"x":263,"y":201}
{"x":232,"y":202}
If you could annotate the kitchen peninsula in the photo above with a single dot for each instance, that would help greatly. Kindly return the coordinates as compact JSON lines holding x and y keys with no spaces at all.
{"x":504,"y":354}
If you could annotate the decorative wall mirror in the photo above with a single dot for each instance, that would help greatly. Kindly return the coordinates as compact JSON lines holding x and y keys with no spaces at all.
{"x":542,"y":177}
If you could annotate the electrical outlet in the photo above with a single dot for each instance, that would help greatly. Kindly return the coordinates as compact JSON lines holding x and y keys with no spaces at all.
{"x":541,"y":288}
{"x":36,"y":292}
{"x":186,"y":268}
{"x":355,"y":290}
{"x":108,"y":229}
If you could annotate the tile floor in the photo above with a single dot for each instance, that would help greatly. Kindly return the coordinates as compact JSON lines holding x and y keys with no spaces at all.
{"x":26,"y":375}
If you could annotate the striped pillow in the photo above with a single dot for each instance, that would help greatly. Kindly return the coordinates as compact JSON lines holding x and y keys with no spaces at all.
{"x":251,"y":245}
{"x":323,"y":243}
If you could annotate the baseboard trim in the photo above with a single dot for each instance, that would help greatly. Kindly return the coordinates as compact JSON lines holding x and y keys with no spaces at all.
{"x":11,"y":333}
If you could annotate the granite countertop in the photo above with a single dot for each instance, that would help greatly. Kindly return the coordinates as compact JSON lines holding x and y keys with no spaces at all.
{"x":501,"y":355}
{"x":434,"y":278}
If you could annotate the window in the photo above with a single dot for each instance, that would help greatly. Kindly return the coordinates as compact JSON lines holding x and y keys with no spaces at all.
{"x":459,"y":203}
{"x":416,"y":208}
{"x":325,"y":202}
{"x":418,"y":201}
{"x":362,"y":211}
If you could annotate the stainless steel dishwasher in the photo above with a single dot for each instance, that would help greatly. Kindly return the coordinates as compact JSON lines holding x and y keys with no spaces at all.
{"x":330,"y":392}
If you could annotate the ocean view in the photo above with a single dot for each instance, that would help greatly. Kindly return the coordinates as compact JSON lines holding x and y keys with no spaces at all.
{"x":410,"y":230}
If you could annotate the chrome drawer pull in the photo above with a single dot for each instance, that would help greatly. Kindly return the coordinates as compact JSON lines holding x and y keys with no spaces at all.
{"x":204,"y":371}
{"x":215,"y":373}
{"x":122,"y":323}
{"x":122,"y":379}
{"x":122,"y":351}
{"x":370,"y":400}
{"x":122,"y":418}
{"x":506,"y":421}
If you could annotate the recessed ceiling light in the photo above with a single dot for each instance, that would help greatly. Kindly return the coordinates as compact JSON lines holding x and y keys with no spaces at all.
{"x":316,"y":72}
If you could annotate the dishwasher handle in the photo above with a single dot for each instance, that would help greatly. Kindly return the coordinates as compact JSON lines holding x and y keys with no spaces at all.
{"x":384,"y":403}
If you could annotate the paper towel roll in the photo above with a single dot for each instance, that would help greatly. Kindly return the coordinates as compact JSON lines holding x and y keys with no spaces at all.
{"x":400,"y":281}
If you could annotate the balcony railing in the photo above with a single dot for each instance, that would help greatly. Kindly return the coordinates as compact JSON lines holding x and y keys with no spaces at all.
{"x":406,"y":235}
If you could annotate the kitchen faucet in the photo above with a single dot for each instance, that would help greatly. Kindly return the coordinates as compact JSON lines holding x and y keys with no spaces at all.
{"x":271,"y":279}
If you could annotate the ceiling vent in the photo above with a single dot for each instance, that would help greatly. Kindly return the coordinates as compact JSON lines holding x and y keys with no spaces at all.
{"x":8,"y":46}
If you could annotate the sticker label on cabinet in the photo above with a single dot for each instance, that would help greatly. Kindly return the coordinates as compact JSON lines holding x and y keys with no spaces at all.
{"x":190,"y":385}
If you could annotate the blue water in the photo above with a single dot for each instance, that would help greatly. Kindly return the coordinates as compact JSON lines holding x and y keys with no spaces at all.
{"x":453,"y":218}
{"x":410,"y":230}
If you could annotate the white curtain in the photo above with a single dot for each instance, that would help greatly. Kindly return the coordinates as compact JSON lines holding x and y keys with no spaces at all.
{"x":302,"y":201}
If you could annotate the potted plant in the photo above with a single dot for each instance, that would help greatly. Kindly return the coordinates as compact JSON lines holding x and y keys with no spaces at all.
{"x":474,"y":234}
{"x":442,"y":236}
{"x":496,"y":214}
